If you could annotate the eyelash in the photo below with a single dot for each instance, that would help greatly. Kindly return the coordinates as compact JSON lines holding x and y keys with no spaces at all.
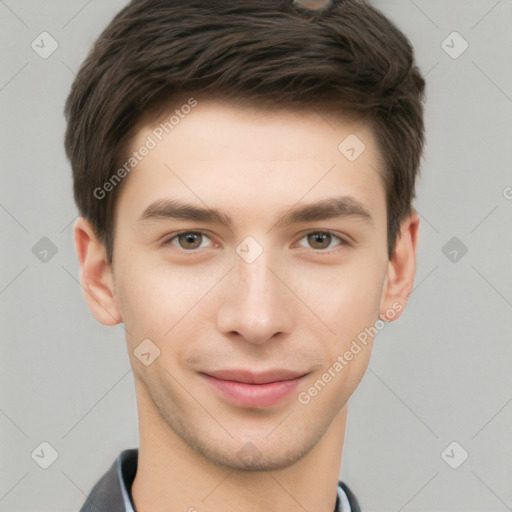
{"x":342,"y":241}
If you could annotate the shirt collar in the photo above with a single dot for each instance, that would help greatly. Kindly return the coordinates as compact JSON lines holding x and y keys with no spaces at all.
{"x":124,"y":491}
{"x":125,"y":482}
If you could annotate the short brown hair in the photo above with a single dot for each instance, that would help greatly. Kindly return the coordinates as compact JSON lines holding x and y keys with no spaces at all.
{"x":350,"y":57}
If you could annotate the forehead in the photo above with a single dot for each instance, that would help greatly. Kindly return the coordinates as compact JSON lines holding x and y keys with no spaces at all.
{"x":244,"y":157}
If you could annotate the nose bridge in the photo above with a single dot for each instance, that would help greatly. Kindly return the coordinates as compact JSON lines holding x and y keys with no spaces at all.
{"x":254,"y":305}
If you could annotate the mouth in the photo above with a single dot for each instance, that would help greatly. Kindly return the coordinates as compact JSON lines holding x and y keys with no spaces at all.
{"x":249,"y":389}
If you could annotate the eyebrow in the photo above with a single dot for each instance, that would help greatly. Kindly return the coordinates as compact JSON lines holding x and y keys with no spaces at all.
{"x":324,"y":209}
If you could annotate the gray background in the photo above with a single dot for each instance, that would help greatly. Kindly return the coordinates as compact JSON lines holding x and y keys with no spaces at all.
{"x":440,"y":374}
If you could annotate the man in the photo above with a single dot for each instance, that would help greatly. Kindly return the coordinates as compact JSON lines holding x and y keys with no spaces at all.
{"x":244,"y":173}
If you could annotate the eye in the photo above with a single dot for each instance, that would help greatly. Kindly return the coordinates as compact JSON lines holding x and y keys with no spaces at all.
{"x":189,"y":241}
{"x":322,"y":240}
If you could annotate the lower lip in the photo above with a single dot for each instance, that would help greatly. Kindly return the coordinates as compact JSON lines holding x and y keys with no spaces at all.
{"x":253,"y":395}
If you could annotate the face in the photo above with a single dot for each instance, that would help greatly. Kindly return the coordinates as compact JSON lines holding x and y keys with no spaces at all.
{"x":250,"y":248}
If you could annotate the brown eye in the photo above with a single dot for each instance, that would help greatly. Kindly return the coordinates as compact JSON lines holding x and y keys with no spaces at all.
{"x":319,"y":240}
{"x":189,"y":240}
{"x":322,"y":240}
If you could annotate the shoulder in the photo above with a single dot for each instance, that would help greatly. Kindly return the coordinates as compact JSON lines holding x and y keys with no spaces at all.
{"x":348,"y":501}
{"x":107,"y":493}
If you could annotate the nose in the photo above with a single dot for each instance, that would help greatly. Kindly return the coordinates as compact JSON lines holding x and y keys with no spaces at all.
{"x":255,"y":302}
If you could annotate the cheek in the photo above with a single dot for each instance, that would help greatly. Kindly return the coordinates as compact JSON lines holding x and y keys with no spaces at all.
{"x":346,"y":297}
{"x":329,"y":388}
{"x":360,"y":297}
{"x":141,"y":297}
{"x":349,"y":306}
{"x":154,"y":296}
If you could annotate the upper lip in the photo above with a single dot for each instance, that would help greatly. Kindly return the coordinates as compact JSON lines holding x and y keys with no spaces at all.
{"x":251,"y":377}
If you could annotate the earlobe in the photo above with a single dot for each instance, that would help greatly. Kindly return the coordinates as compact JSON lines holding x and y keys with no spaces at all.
{"x":95,"y":274}
{"x":399,"y":281}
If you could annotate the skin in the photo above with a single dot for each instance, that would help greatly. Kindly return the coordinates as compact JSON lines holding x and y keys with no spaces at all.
{"x":298,"y":306}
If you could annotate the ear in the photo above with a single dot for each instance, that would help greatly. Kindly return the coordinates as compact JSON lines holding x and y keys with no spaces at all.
{"x":401,"y":270}
{"x":95,"y":274}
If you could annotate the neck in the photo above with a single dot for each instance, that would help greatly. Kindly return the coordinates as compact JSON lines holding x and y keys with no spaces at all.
{"x":171,"y":475}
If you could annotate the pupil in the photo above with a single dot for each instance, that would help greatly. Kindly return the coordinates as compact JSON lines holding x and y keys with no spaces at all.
{"x":321,"y":238}
{"x":191,"y":238}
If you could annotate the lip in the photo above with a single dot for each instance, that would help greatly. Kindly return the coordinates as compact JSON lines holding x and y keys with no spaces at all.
{"x":250,"y":377}
{"x":248,"y":389}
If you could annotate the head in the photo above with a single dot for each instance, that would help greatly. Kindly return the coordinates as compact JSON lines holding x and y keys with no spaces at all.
{"x":244,"y":174}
